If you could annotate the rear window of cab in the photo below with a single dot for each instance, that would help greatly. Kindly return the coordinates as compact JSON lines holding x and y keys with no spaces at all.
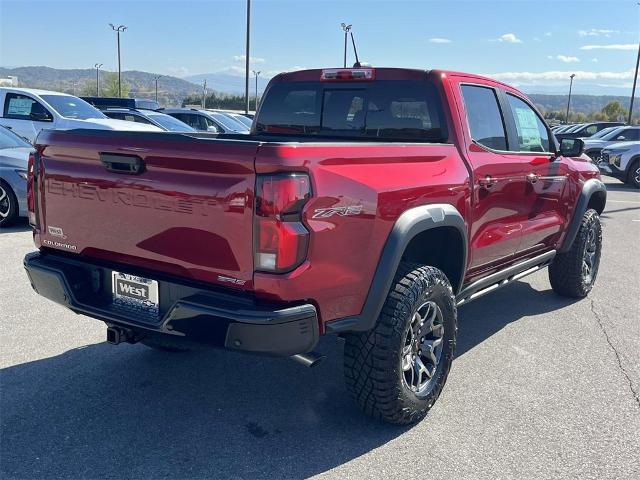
{"x":403,"y":110}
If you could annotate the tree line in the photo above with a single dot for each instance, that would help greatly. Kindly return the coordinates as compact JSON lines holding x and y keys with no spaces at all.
{"x":222,"y":101}
{"x":611,"y":112}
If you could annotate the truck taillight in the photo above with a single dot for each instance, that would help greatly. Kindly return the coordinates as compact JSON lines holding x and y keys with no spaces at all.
{"x":342,"y":74}
{"x":31,"y":193}
{"x":281,"y":238}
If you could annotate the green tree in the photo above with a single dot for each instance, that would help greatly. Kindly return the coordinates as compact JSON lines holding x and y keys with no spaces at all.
{"x":109,"y":86}
{"x":613,"y":111}
{"x":89,"y":89}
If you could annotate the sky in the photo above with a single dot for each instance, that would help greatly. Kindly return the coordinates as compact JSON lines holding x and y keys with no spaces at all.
{"x":534,"y":45}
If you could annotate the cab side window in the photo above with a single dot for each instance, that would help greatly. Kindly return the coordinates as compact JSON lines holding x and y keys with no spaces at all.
{"x":22,"y":107}
{"x":189,"y":119}
{"x":533,"y":135}
{"x":138,"y":119}
{"x":485,"y":119}
{"x":206,"y":122}
{"x":628,"y":134}
{"x":591,"y":129}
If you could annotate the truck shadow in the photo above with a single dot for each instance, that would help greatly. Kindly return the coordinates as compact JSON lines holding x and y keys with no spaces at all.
{"x":129,"y":412}
{"x":20,"y":225}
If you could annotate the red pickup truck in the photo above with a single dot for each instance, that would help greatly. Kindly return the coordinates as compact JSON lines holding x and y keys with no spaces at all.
{"x":366,"y":203}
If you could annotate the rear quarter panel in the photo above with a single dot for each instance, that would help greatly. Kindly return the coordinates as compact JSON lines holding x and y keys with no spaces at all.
{"x":379,"y":181}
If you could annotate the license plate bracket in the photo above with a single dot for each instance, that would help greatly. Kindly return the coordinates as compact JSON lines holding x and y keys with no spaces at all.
{"x":138,"y":294}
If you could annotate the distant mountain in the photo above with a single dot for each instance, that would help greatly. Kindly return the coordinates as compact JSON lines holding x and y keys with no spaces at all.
{"x":171,"y":90}
{"x":579,"y":103}
{"x":224,"y":82}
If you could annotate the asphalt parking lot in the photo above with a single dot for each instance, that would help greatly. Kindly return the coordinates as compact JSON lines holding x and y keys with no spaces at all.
{"x":543,"y":387}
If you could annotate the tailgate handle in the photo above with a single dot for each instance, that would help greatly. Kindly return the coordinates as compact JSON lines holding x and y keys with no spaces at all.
{"x":127,"y":164}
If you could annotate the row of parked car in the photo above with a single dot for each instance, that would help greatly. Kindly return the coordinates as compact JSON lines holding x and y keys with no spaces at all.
{"x":613,"y":146}
{"x":24,"y":112}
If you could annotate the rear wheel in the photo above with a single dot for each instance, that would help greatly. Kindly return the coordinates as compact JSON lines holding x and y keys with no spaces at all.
{"x":396,"y":371}
{"x":573,"y":273}
{"x":633,"y":178}
{"x":8,"y":205}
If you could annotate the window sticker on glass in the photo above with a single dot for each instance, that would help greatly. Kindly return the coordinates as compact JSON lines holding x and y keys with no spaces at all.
{"x":527,"y":125}
{"x":20,"y":106}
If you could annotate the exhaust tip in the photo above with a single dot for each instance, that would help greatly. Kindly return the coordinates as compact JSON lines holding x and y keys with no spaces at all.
{"x":309,"y":360}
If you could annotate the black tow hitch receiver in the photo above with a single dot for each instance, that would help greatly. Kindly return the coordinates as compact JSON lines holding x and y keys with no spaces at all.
{"x":117,"y":335}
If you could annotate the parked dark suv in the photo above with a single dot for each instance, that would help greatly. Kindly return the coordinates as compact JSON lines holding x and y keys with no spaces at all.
{"x":588,"y":129}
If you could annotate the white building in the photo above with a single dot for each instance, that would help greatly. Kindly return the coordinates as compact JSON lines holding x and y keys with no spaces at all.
{"x":9,"y":82}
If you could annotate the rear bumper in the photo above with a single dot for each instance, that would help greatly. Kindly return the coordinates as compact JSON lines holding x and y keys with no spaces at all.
{"x":187,"y":311}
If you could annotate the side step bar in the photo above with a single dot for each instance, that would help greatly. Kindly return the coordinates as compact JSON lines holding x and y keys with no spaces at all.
{"x":504,"y":277}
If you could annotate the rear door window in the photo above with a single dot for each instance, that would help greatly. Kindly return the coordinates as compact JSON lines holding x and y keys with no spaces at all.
{"x":532,"y":132}
{"x":23,"y":107}
{"x":486,"y":124}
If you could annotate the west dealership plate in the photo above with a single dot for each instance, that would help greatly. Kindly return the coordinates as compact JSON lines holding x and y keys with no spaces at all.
{"x":131,"y":291}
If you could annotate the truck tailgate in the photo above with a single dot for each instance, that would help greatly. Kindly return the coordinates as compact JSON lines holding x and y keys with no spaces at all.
{"x":188,"y":212}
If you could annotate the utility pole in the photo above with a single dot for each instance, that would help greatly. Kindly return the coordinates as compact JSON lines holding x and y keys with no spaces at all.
{"x":246,"y":60}
{"x":118,"y":29}
{"x":633,"y":90}
{"x":204,"y":94}
{"x":97,"y":67}
{"x":566,"y":119}
{"x":346,"y":29}
{"x":156,"y":80}
{"x":256,"y":74}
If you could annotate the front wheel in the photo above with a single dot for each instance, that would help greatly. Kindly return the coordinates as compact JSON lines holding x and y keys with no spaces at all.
{"x":573,"y":273}
{"x":396,"y":371}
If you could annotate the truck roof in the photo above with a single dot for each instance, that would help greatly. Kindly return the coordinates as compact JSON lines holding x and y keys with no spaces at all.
{"x":382,"y":73}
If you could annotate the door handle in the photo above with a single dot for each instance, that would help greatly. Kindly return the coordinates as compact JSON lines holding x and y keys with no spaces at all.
{"x":126,"y":164}
{"x":532,"y":178}
{"x":487,"y":182}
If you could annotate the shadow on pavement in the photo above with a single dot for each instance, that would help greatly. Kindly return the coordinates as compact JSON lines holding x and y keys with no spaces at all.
{"x":20,"y":225}
{"x":129,"y":412}
{"x":621,"y":187}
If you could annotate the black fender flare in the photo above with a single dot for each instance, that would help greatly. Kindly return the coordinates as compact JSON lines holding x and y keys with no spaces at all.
{"x":590,"y":187}
{"x":412,"y":222}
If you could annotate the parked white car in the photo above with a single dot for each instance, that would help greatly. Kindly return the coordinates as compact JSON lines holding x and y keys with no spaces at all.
{"x":593,"y":145}
{"x":26,"y":111}
{"x":622,"y":160}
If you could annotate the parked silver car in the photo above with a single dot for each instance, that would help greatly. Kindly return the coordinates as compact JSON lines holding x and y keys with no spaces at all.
{"x":593,"y":145}
{"x":14,"y":159}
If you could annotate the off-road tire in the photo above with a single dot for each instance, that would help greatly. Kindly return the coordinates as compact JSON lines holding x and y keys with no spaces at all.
{"x":165,"y":343}
{"x":373,"y":360}
{"x":633,"y":178}
{"x":8,"y":205}
{"x":566,"y":272}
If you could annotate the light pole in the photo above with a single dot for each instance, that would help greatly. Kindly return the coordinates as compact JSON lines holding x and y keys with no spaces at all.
{"x":97,"y":67}
{"x":345,"y":28}
{"x":633,"y":90}
{"x":118,"y":29}
{"x":256,"y":74}
{"x":156,"y":80}
{"x":246,"y":60}
{"x":566,"y":119}
{"x":204,"y":94}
